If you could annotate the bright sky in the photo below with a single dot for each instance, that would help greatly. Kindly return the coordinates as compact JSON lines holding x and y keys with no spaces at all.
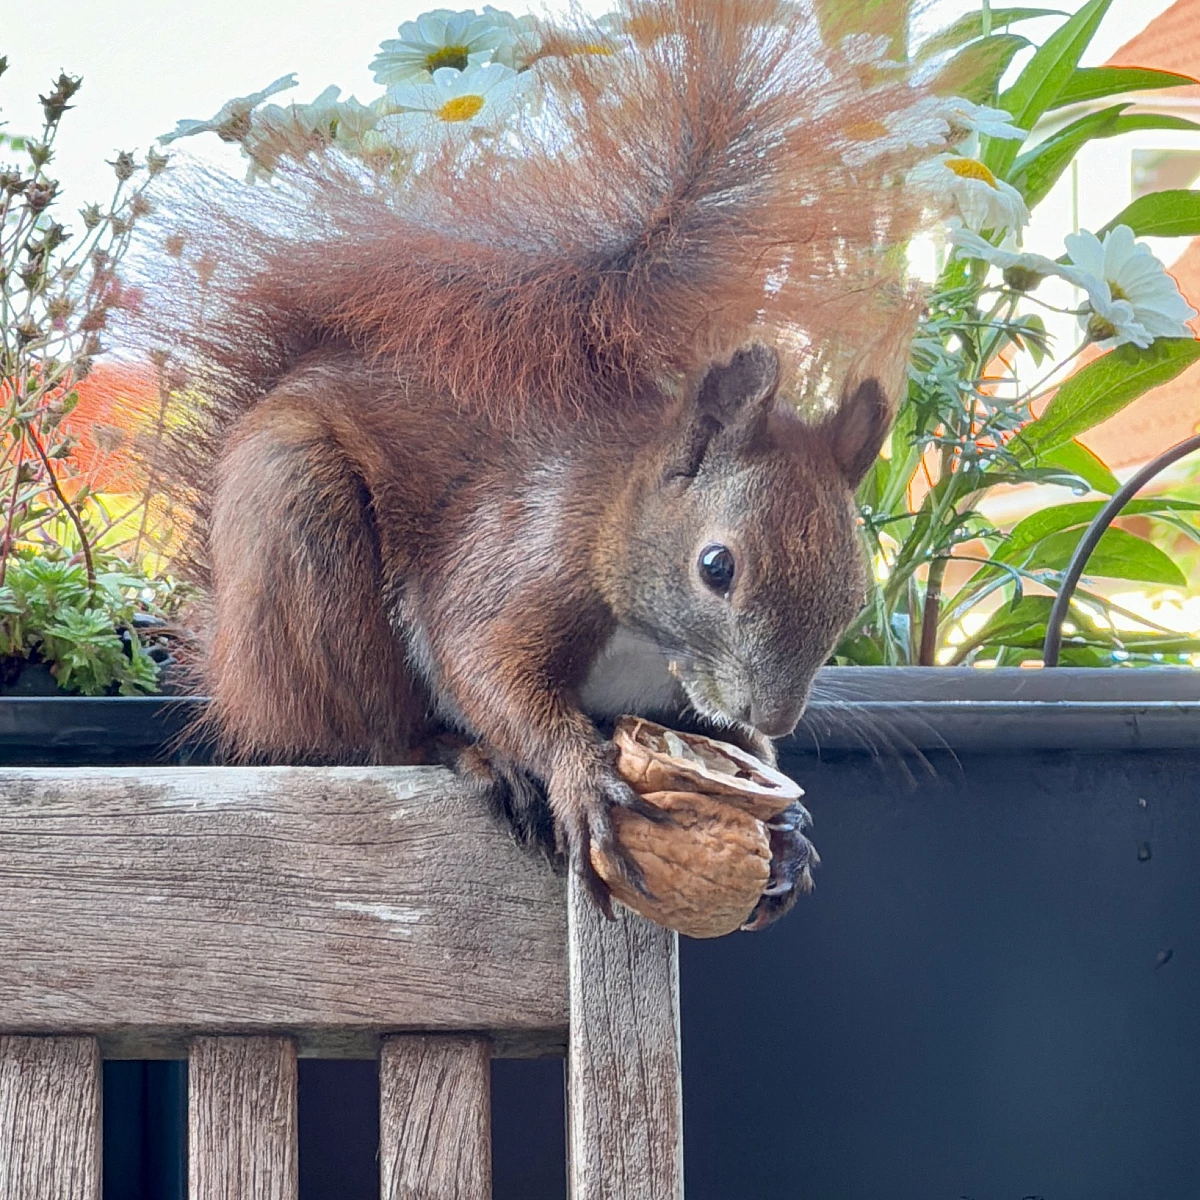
{"x":148,"y":63}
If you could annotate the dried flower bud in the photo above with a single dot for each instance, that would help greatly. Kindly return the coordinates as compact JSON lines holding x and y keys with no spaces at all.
{"x":120,"y":225}
{"x":91,"y":216}
{"x":38,"y":196}
{"x":39,"y":153}
{"x":92,"y":346}
{"x":33,"y":273}
{"x":28,"y":331}
{"x":82,"y":368}
{"x":174,"y":244}
{"x":55,"y":104}
{"x":12,"y":183}
{"x":124,"y":165}
{"x":156,"y":162}
{"x":58,"y":309}
{"x":53,"y":236}
{"x":139,"y":206}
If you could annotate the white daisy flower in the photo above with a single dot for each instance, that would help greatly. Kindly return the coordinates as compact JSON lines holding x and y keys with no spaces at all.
{"x":521,"y":46}
{"x":293,"y":130}
{"x":920,"y":126}
{"x":1022,"y":271}
{"x":969,"y":122}
{"x":424,"y":113}
{"x":438,"y":40}
{"x":1132,"y":297}
{"x":232,"y":122}
{"x":982,"y":200}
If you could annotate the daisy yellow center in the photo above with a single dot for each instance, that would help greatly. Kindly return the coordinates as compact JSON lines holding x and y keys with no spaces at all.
{"x":866,"y":131}
{"x":1099,"y":330}
{"x":1117,"y":291}
{"x":461,"y":108}
{"x":447,"y":56}
{"x":971,"y":168}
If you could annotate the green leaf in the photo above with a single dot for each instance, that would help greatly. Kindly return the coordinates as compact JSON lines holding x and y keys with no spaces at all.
{"x":1101,"y":389}
{"x":970,"y":26}
{"x":1044,"y":77}
{"x":974,"y":72}
{"x":1094,"y":83}
{"x":1075,"y":457}
{"x":1171,"y":213}
{"x":1040,"y":525}
{"x":1118,"y":555}
{"x":1034,"y":173}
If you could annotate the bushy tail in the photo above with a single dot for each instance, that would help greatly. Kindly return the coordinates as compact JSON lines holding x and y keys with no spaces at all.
{"x":730,"y":172}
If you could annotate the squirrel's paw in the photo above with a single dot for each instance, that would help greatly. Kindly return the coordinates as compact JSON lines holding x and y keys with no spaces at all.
{"x":793,"y":857}
{"x":586,"y":821}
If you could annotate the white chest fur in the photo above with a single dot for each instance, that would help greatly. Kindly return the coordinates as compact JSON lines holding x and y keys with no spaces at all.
{"x":630,"y":676}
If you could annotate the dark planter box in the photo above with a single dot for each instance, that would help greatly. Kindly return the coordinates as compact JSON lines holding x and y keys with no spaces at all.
{"x":993,"y":993}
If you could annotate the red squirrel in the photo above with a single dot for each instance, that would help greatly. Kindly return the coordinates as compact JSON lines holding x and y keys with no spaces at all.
{"x":483,"y":463}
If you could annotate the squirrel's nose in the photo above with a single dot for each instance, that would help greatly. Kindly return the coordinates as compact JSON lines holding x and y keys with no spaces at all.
{"x":774,"y":722}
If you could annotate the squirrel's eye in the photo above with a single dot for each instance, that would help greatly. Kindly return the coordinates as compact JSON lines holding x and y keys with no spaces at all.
{"x":716,"y":567}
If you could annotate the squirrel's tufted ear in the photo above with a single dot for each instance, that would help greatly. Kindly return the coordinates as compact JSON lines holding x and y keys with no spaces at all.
{"x":856,"y":431}
{"x":734,"y":398}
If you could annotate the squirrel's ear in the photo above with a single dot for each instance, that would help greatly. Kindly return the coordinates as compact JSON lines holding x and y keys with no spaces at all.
{"x":856,"y":431}
{"x":739,"y":394}
{"x":733,"y":398}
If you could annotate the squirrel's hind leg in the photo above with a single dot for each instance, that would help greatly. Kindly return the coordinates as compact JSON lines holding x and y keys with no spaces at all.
{"x":303,"y":664}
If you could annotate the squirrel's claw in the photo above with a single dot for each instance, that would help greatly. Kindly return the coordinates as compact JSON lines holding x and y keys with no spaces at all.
{"x":591,"y":825}
{"x":793,"y":857}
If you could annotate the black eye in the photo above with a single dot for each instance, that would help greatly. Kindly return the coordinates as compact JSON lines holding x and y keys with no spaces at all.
{"x":716,"y":567}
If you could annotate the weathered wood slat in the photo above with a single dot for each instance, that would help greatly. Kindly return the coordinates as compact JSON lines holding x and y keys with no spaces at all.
{"x":625,"y":1100}
{"x":333,"y":902}
{"x":242,"y":1138}
{"x":435,"y":1139}
{"x":49,"y":1118}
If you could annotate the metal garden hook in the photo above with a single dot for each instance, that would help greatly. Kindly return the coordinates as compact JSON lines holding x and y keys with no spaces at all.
{"x":1095,"y":531}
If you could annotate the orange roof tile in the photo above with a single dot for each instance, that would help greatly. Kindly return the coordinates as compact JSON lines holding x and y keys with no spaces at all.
{"x":1171,"y":42}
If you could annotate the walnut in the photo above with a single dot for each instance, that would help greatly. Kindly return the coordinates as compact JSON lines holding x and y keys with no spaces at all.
{"x":708,"y":866}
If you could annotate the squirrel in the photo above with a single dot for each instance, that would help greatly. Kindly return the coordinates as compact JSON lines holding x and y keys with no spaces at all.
{"x":476,"y":467}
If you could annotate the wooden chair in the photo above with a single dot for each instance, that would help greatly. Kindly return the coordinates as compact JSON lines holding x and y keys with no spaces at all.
{"x":240,"y":917}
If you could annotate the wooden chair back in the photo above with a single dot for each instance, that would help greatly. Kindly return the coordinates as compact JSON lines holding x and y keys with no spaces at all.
{"x":243,"y":916}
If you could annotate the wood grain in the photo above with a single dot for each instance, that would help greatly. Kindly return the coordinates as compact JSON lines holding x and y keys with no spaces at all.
{"x":435,"y":1139}
{"x":49,"y":1118}
{"x":335,"y":903}
{"x":242,"y":1139}
{"x":625,"y":1097}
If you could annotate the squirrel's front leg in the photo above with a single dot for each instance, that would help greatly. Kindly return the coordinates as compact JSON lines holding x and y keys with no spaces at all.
{"x":512,"y":688}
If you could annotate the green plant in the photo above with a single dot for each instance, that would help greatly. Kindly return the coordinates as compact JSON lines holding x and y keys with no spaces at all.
{"x":951,"y":584}
{"x":65,"y":598}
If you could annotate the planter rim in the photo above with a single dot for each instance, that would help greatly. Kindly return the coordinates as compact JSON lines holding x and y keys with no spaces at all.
{"x":868,"y":710}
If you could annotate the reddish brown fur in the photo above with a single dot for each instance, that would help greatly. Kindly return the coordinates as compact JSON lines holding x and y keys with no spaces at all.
{"x":440,"y":445}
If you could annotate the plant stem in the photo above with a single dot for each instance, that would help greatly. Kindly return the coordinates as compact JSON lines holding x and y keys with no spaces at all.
{"x":12,"y":509}
{"x":68,"y":508}
{"x":929,"y":614}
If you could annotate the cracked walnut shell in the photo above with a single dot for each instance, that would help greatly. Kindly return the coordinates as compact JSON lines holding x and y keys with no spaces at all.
{"x":708,"y":866}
